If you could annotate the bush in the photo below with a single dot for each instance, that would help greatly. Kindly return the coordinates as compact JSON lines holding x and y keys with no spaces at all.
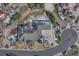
{"x":6,"y":46}
{"x":39,"y":41}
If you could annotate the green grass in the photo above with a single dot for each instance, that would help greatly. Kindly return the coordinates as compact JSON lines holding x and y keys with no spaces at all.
{"x":16,"y":16}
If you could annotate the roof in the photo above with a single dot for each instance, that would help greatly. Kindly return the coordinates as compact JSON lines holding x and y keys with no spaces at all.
{"x":43,"y":24}
{"x":28,"y":27}
{"x":33,"y":26}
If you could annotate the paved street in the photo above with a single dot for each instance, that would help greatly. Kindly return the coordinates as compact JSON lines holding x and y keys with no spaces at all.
{"x":69,"y":37}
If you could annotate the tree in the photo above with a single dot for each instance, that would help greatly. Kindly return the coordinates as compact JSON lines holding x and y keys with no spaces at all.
{"x":16,"y":16}
{"x":39,"y":41}
{"x":51,"y":16}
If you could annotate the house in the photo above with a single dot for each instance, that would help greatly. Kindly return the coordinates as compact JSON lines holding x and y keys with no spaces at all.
{"x":34,"y":30}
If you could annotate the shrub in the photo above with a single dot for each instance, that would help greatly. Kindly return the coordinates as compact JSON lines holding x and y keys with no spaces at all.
{"x":6,"y":46}
{"x":39,"y":41}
